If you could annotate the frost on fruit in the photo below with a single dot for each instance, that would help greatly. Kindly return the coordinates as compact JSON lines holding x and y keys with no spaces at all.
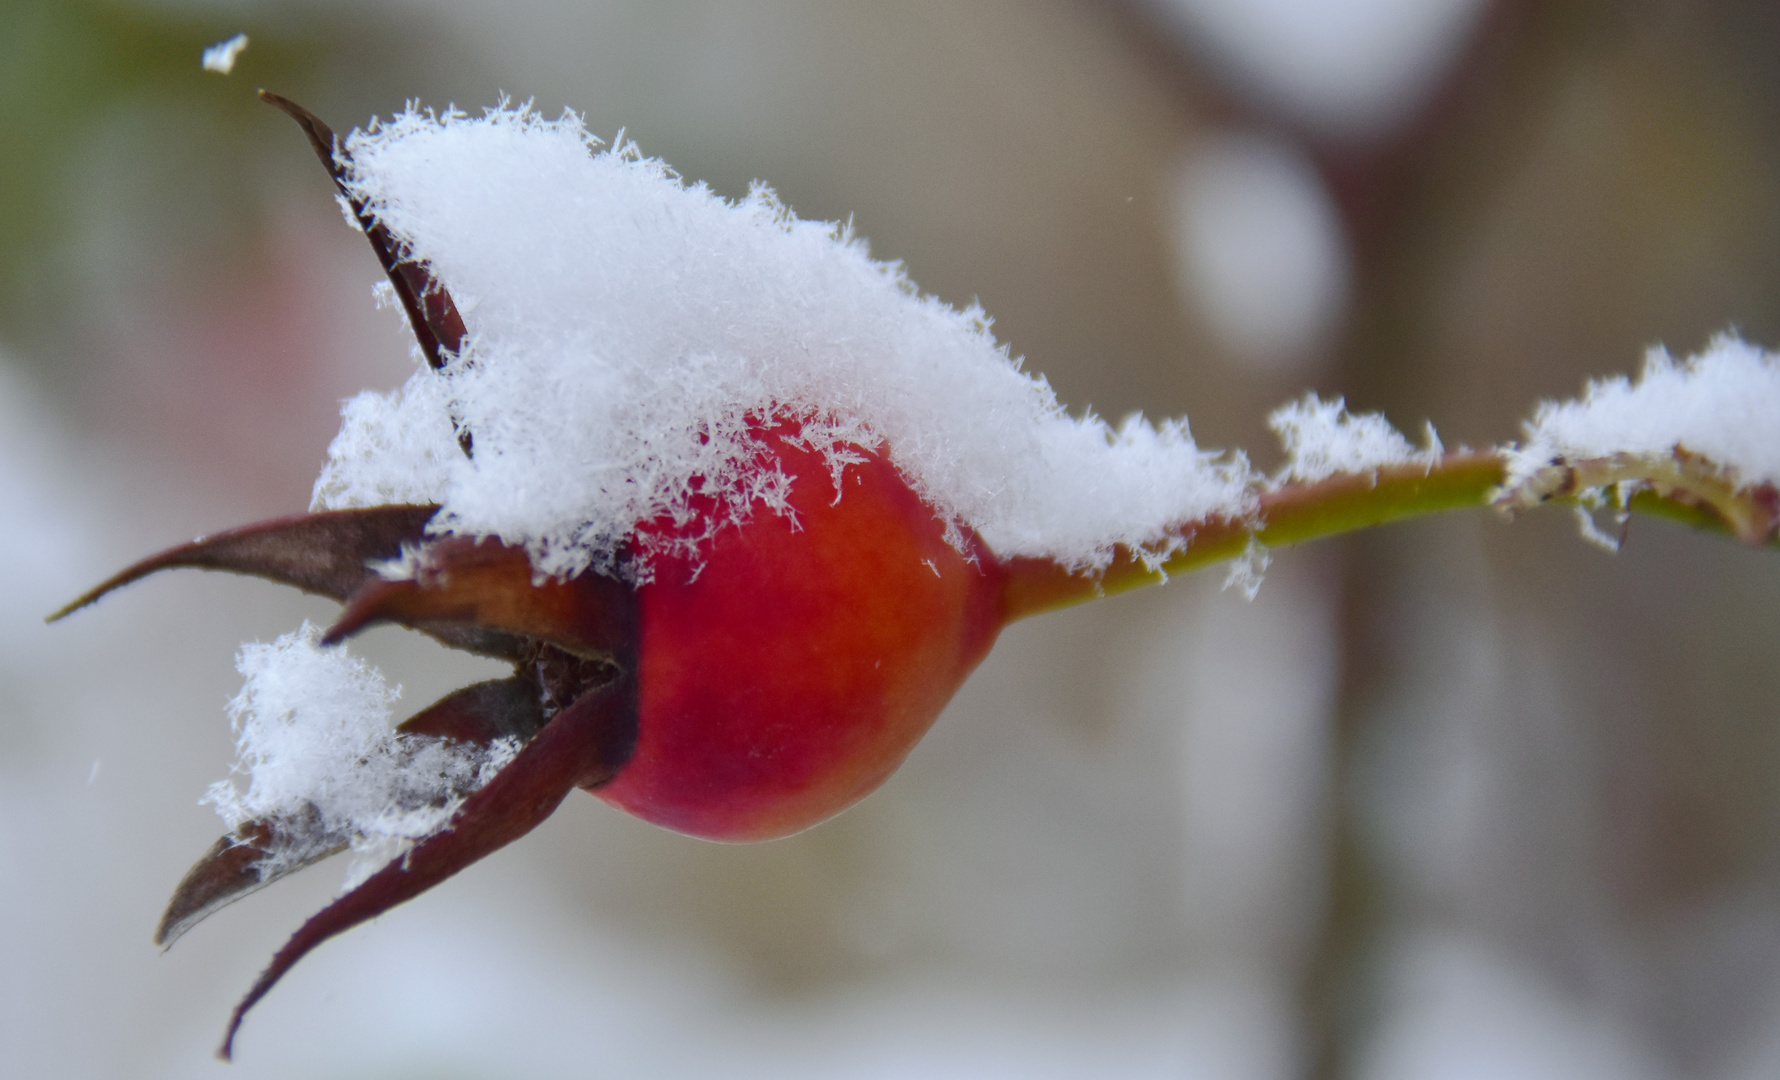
{"x":1705,"y":430}
{"x":629,"y":331}
{"x":1321,"y":439}
{"x":324,"y":765}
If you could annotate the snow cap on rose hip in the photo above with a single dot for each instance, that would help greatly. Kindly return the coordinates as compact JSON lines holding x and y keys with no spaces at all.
{"x":626,"y":328}
{"x":736,"y":501}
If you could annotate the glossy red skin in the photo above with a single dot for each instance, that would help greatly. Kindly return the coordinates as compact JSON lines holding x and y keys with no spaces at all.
{"x":796,"y":671}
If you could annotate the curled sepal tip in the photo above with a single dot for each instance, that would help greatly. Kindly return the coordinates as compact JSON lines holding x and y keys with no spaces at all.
{"x":326,"y":553}
{"x":243,"y":862}
{"x":438,"y":328}
{"x":584,"y":745}
{"x":259,"y":852}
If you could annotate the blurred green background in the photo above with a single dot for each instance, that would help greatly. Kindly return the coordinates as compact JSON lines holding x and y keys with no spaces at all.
{"x":1453,"y":800}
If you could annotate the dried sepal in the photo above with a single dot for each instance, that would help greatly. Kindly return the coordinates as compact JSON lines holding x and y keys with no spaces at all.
{"x":259,"y":852}
{"x":483,"y":713}
{"x":583,"y":745}
{"x":327,"y":553}
{"x":1751,"y":512}
{"x":330,"y":553}
{"x":491,"y":586}
{"x":437,"y":326}
{"x":243,"y":862}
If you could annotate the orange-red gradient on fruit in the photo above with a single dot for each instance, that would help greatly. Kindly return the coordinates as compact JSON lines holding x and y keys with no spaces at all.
{"x":793,"y":670}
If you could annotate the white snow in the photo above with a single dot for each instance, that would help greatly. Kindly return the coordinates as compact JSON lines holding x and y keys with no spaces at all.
{"x":314,"y":735}
{"x":630,"y":331}
{"x":1321,"y":438}
{"x":1723,"y":404}
{"x":220,"y":57}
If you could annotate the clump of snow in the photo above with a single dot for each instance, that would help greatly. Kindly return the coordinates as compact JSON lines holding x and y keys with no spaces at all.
{"x":630,"y":333}
{"x":1248,"y":570}
{"x":1723,"y":404}
{"x":220,"y":57}
{"x":313,"y":731}
{"x":1321,"y":438}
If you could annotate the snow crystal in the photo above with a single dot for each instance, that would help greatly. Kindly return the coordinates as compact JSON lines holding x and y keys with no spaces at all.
{"x":630,"y":331}
{"x":1321,"y":438}
{"x":220,"y":57}
{"x":313,"y":732}
{"x":1248,"y":570}
{"x":1723,"y":404}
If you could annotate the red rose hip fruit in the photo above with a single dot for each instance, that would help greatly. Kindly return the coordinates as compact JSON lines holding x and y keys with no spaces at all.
{"x":790,"y":671}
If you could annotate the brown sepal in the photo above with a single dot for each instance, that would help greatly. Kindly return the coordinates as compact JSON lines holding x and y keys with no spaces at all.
{"x":326,"y":553}
{"x":434,"y":317}
{"x":484,"y":583}
{"x":584,"y":745}
{"x":243,"y":862}
{"x":260,"y":852}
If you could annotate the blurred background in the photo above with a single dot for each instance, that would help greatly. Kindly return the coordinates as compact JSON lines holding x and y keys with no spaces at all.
{"x":1455,"y":800}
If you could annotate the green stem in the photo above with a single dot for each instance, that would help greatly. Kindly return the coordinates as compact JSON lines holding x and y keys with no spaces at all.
{"x":1295,"y":513}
